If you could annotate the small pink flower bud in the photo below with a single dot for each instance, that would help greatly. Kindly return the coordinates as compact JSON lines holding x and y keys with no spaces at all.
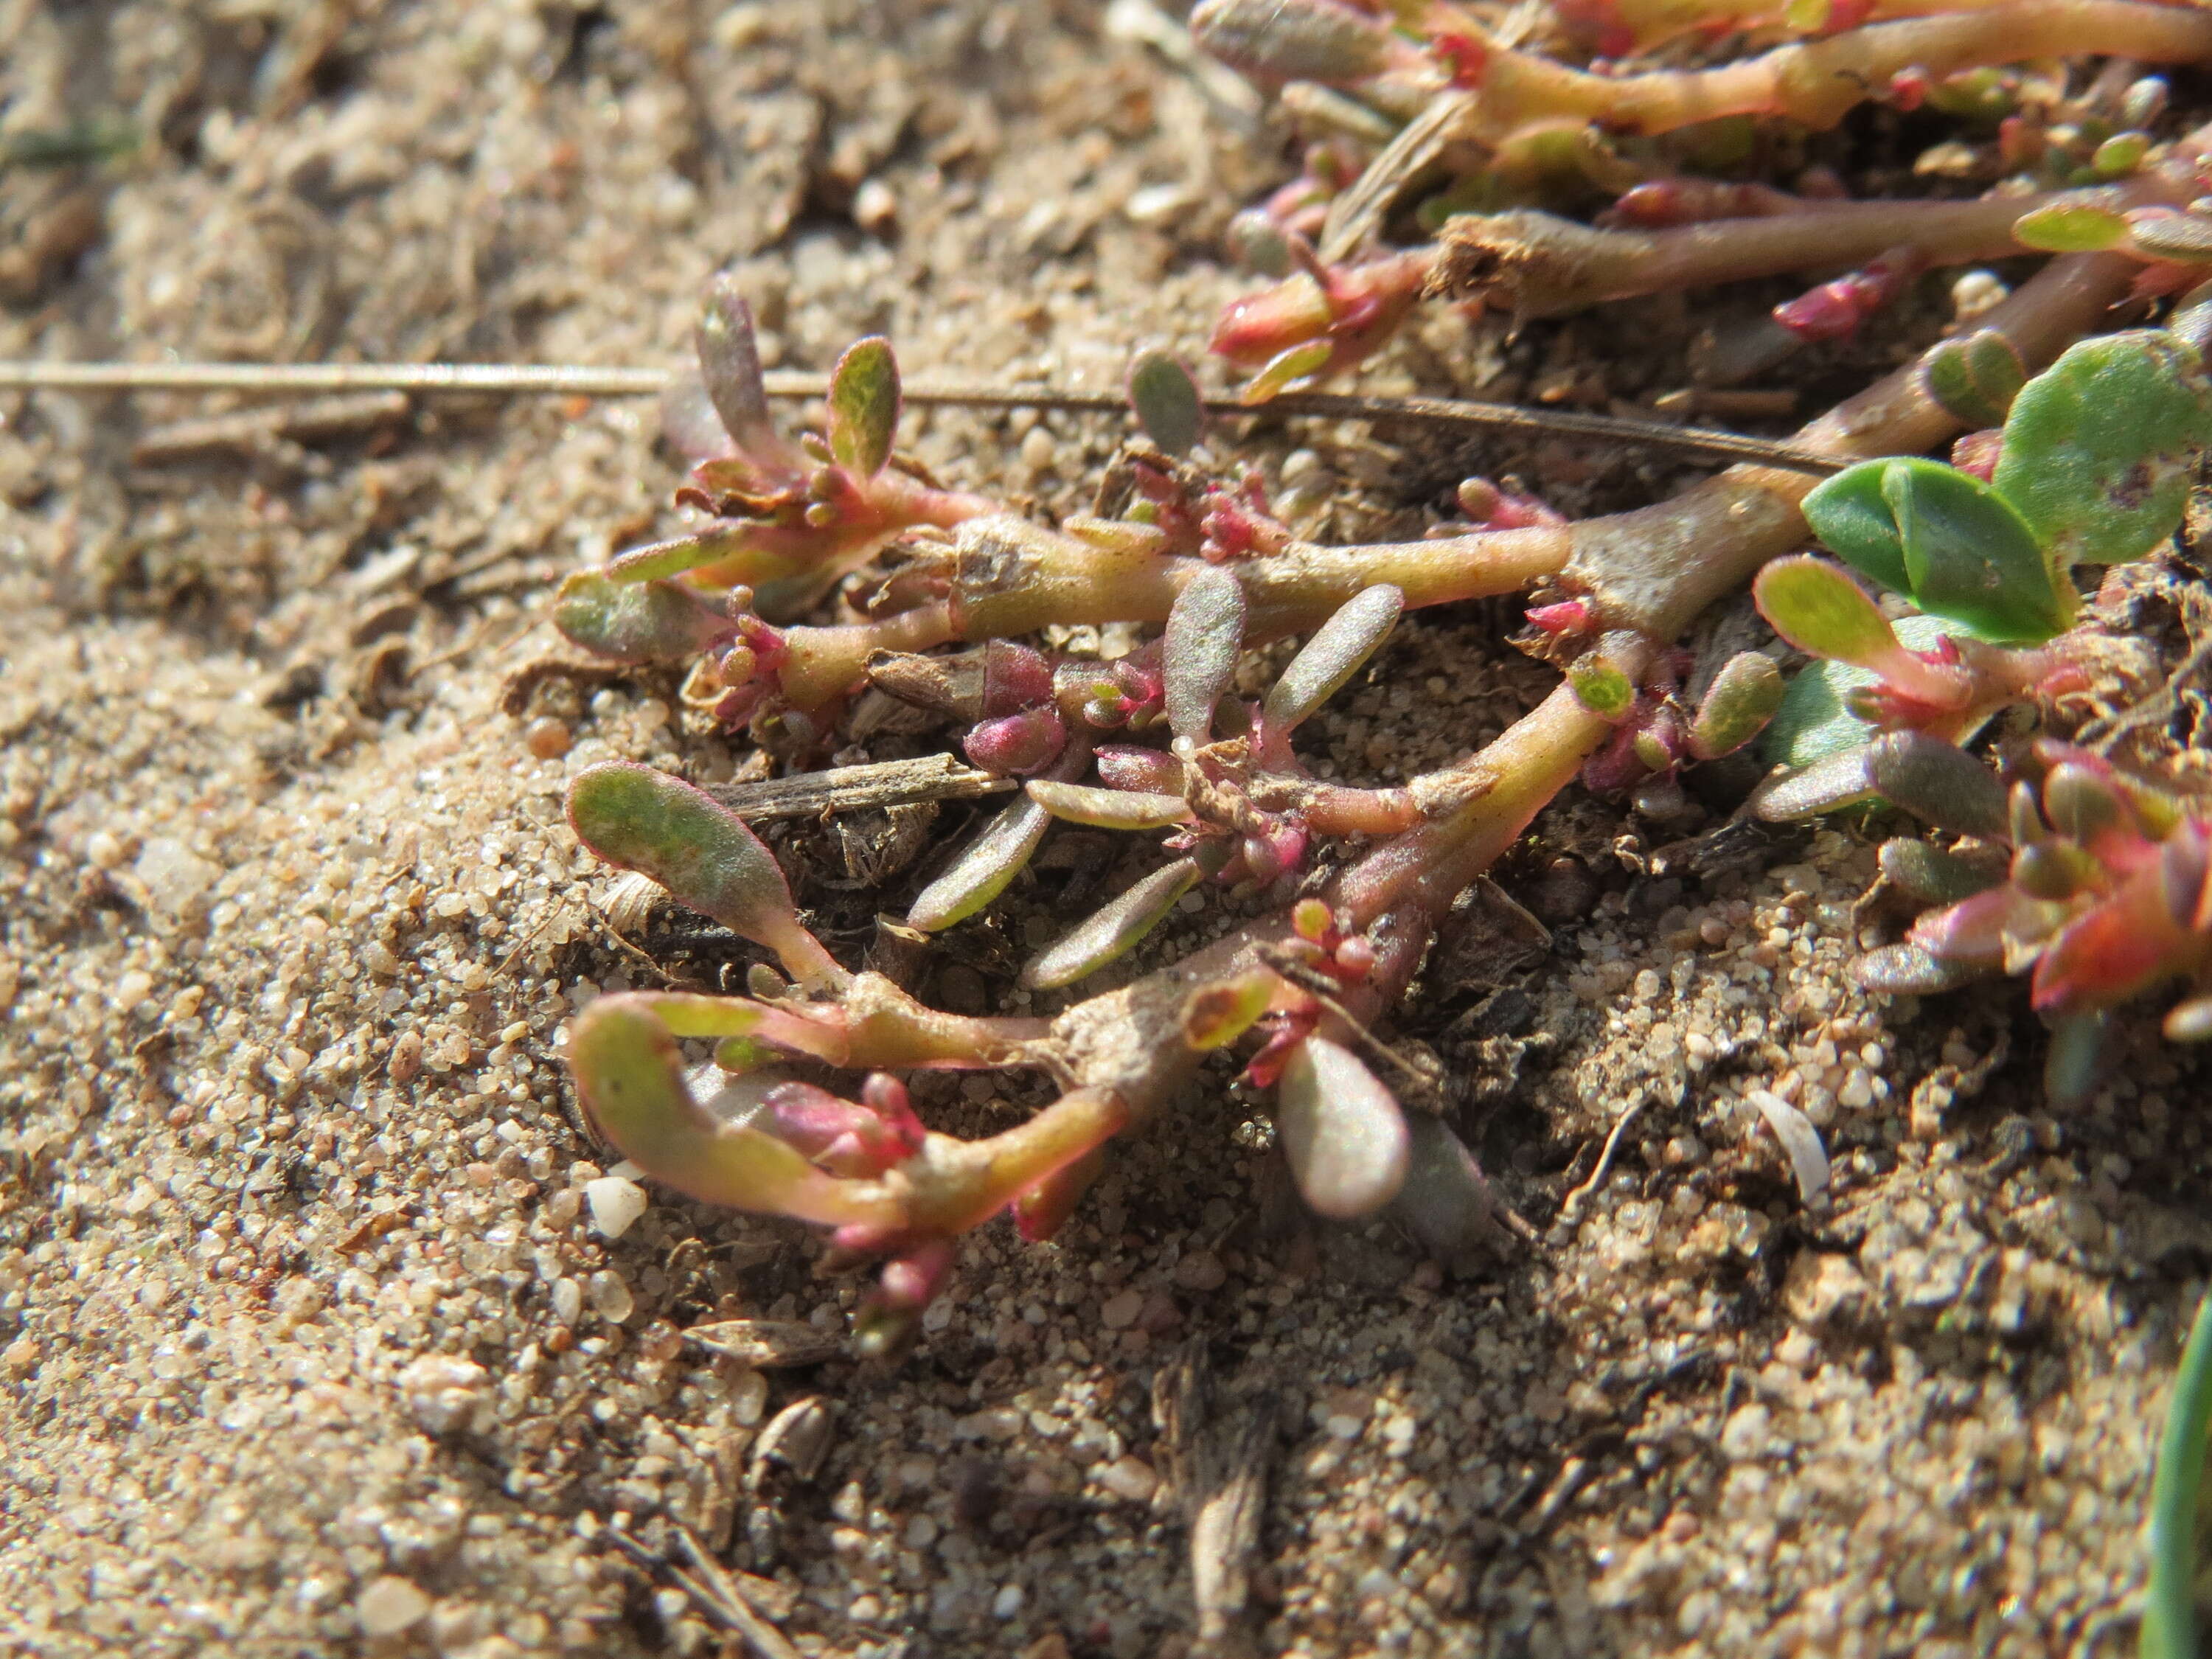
{"x":886,"y":1096}
{"x":1261,"y":327}
{"x":1829,"y":312}
{"x":912,"y":1279}
{"x":1567,"y":616}
{"x":1016,"y":744}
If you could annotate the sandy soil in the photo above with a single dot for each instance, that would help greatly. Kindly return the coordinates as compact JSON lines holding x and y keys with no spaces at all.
{"x":310,"y":1341}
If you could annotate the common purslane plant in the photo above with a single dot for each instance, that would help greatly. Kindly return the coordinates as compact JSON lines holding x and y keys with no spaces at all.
{"x":2092,"y":466}
{"x":2092,"y":880}
{"x":951,"y":593}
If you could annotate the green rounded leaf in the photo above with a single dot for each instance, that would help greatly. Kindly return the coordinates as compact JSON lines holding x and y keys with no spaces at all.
{"x":864,"y":406}
{"x":730,"y":369}
{"x":1970,"y":556}
{"x":1911,"y":970}
{"x":1286,"y":369}
{"x":2182,"y":238}
{"x":1824,"y":613}
{"x":1938,"y":783}
{"x":1108,"y":809}
{"x":2070,"y":226}
{"x":1354,"y":631}
{"x":1930,"y":874}
{"x":1743,"y":697}
{"x":2099,"y":447}
{"x":1814,"y":722}
{"x":1828,"y":784}
{"x":1601,"y":687}
{"x":1215,"y":1015}
{"x":980,"y":874}
{"x":636,"y":818}
{"x":1198,"y":652}
{"x":1166,"y":400}
{"x":636,"y":621}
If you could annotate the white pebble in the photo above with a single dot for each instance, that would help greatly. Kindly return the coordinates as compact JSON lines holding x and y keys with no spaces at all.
{"x":1007,"y":1602}
{"x":131,"y":990}
{"x":749,"y":1398}
{"x":442,"y":1393}
{"x":616,"y":1205}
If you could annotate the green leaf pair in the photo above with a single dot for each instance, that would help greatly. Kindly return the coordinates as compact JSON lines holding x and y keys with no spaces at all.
{"x":2094,"y":468}
{"x":1950,"y":542}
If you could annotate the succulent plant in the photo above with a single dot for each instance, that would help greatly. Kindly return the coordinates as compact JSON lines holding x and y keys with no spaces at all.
{"x":2102,"y":881}
{"x":2104,"y":892}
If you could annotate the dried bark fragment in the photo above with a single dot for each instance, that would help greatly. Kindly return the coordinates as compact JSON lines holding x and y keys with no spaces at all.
{"x":1218,"y":1452}
{"x":768,"y":1343}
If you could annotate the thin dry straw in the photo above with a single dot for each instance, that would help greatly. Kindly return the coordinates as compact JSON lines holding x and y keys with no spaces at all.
{"x":526,"y":380}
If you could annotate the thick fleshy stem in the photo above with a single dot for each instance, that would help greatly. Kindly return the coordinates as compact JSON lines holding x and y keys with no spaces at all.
{"x":1817,"y":83}
{"x":1536,"y":265}
{"x":1654,"y":568}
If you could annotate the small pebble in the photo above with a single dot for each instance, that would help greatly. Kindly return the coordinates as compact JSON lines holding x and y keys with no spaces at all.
{"x":609,"y":1297}
{"x":1121,"y":1311}
{"x":548,"y":738}
{"x":442,"y":1391}
{"x":749,"y":1398}
{"x":388,"y":1605}
{"x":875,"y":208}
{"x":1202,"y":1270}
{"x":1129,"y":1477}
{"x":616,"y":1205}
